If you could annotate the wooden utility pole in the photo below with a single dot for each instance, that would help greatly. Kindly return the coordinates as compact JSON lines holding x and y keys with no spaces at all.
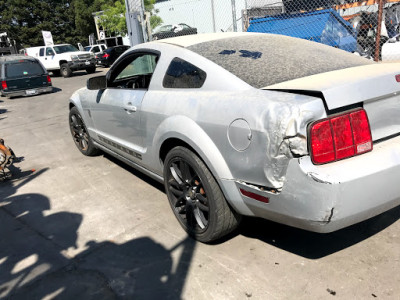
{"x":379,"y":30}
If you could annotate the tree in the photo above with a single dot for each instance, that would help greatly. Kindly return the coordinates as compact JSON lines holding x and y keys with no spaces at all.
{"x":154,"y":19}
{"x":25,"y":19}
{"x":113,"y":19}
{"x":83,"y":13}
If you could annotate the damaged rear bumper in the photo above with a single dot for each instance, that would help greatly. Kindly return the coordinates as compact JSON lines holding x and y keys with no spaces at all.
{"x":328,"y":197}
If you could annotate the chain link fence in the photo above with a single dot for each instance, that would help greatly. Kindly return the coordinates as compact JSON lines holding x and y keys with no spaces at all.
{"x":368,"y":28}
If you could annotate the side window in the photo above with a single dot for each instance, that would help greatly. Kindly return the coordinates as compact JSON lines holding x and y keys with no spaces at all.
{"x":96,"y":49}
{"x":182,"y":74}
{"x":103,"y":47}
{"x":134,"y":72}
{"x":41,"y":52}
{"x":49,"y":51}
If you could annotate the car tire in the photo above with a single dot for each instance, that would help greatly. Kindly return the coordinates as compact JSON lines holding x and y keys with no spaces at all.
{"x":91,"y":70}
{"x":196,"y":198}
{"x":65,"y":70}
{"x":80,"y":134}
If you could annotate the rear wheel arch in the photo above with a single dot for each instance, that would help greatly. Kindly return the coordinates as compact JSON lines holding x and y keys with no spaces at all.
{"x":171,"y":143}
{"x":209,"y":154}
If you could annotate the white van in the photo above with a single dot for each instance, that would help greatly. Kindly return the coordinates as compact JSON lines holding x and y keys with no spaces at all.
{"x":63,"y":58}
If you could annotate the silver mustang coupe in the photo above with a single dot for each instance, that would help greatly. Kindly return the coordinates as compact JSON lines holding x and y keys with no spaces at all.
{"x":250,"y":124}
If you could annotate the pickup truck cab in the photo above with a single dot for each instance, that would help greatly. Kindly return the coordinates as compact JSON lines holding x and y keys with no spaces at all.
{"x":63,"y":58}
{"x":96,"y":49}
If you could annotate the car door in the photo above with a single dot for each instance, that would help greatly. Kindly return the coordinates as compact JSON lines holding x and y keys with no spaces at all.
{"x":116,"y":112}
{"x":50,"y":62}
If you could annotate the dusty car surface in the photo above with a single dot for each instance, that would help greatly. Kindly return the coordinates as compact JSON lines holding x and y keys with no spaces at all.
{"x":250,"y":124}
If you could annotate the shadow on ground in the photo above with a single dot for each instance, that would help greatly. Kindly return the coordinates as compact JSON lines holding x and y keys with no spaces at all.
{"x":33,"y":263}
{"x":137,"y":173}
{"x":297,"y":241}
{"x":315,"y":245}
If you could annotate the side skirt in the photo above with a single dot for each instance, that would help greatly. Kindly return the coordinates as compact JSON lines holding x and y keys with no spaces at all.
{"x":130,"y":163}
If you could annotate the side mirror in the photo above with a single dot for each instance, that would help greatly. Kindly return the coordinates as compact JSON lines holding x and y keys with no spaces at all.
{"x":97,"y":83}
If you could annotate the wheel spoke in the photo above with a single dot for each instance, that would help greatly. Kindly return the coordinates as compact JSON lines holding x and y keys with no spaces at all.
{"x":174,"y":184}
{"x":75,"y":129}
{"x":201,"y":198}
{"x":176,"y":174}
{"x":176,"y":192}
{"x":202,"y":207}
{"x":185,"y":171}
{"x":201,"y":221}
{"x":182,"y":210}
{"x":74,"y":121}
{"x":83,"y":144}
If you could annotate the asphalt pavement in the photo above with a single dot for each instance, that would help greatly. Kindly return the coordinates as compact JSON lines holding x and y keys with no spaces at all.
{"x":76,"y":227}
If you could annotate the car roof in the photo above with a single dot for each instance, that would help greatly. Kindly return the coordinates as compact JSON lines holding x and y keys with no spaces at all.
{"x":193,"y":39}
{"x":15,"y":57}
{"x":263,"y":59}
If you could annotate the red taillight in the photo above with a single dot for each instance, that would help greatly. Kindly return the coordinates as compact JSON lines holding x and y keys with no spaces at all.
{"x":48,"y":79}
{"x":4,"y":85}
{"x":106,"y":55}
{"x":340,"y":137}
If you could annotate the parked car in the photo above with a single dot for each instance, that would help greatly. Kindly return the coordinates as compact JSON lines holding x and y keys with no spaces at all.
{"x":23,"y":76}
{"x":95,"y":49}
{"x":250,"y":124}
{"x":168,"y":31}
{"x":64,"y":59}
{"x":109,"y":55}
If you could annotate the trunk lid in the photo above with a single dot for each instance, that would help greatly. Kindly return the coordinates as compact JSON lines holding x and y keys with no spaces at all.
{"x":375,"y":86}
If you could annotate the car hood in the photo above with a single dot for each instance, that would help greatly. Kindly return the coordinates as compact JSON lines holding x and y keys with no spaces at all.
{"x":348,"y":86}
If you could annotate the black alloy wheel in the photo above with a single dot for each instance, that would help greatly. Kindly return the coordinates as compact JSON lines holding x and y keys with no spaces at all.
{"x":79,"y":133}
{"x":189,"y":196}
{"x":195,"y":197}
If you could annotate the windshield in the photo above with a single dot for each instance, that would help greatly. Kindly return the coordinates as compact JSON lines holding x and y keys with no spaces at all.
{"x":87,"y":48}
{"x":64,"y":49}
{"x":23,"y":68}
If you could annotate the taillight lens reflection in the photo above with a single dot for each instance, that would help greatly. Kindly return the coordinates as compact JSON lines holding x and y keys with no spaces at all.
{"x":340,"y":137}
{"x":106,"y":55}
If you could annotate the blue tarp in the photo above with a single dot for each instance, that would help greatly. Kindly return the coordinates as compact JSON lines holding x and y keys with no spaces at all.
{"x":324,"y":26}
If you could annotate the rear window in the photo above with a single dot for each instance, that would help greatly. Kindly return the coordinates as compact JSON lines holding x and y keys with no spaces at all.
{"x":23,"y":68}
{"x":182,"y":74}
{"x":266,"y":59}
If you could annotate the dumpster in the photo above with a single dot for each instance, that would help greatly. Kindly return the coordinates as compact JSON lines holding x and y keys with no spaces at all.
{"x":322,"y":26}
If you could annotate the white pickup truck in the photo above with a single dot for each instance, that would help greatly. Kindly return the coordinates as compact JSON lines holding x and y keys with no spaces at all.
{"x":63,"y":58}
